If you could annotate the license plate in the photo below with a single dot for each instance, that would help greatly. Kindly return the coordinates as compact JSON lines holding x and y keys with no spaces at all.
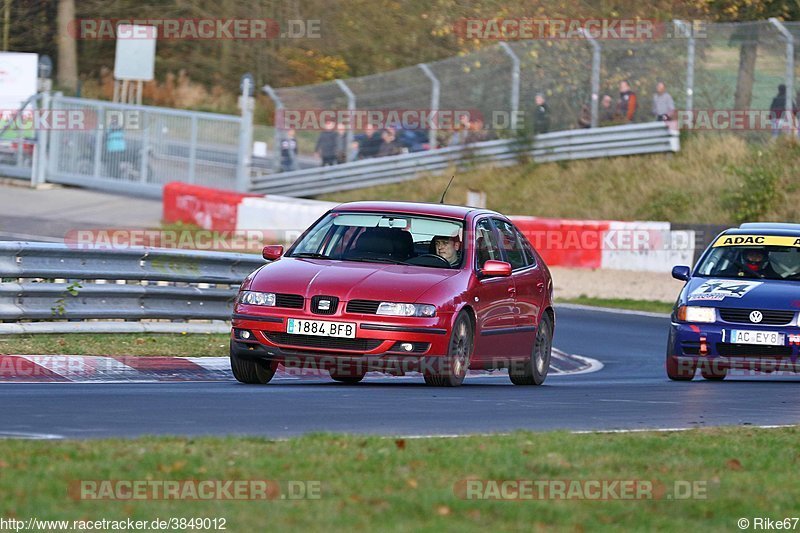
{"x":764,"y":338}
{"x":321,"y":328}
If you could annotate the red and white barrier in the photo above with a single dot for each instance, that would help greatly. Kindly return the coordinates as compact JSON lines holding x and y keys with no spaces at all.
{"x":641,"y":246}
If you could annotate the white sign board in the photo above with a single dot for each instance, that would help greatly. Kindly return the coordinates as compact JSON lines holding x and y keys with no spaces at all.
{"x":18,"y":77}
{"x":136,"y":52}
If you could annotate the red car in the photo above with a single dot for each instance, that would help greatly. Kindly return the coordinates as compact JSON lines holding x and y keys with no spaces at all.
{"x":398,"y":287}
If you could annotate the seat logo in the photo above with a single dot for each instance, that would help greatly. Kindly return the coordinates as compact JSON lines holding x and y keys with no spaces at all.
{"x":325,"y":305}
{"x":756,"y":317}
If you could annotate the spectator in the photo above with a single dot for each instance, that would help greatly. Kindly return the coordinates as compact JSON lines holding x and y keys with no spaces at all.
{"x":289,"y":152}
{"x":777,"y":110}
{"x":541,"y":115}
{"x":328,"y":144}
{"x":477,"y":133}
{"x":461,"y":131}
{"x":607,"y":113}
{"x":626,"y":107}
{"x":115,"y":153}
{"x":366,"y":145}
{"x":585,"y":118}
{"x":389,"y":144}
{"x":341,"y":148}
{"x":663,"y":105}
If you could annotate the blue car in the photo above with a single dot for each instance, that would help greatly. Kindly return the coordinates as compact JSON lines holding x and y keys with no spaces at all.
{"x":739,"y":307}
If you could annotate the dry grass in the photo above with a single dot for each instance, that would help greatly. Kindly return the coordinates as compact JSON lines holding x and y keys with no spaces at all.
{"x":693,"y":185}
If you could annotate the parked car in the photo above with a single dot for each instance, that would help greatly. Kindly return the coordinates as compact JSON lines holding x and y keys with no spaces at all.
{"x":398,"y":287}
{"x":739,"y":306}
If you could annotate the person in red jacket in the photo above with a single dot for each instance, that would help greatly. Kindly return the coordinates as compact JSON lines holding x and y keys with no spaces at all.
{"x":626,"y":107}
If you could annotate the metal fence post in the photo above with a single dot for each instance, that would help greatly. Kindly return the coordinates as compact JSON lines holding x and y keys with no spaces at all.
{"x":595,"y":81}
{"x":145,"y":161}
{"x":40,"y":162}
{"x":351,"y":107}
{"x":193,"y":151}
{"x":514,"y":83}
{"x":789,"y":67}
{"x":99,"y":145}
{"x":435,"y":87}
{"x":245,"y":137}
{"x":56,"y":138}
{"x":686,"y":29}
{"x":278,"y":135}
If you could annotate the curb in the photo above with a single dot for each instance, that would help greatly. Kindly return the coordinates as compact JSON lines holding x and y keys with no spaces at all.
{"x":145,"y":369}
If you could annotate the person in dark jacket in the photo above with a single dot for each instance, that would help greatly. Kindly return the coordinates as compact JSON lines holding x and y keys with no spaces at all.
{"x":328,"y":144}
{"x":777,"y":110}
{"x":626,"y":107}
{"x":289,"y":152}
{"x":541,"y":116}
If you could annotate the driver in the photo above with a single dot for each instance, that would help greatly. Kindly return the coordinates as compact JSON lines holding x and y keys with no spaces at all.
{"x":448,"y":248}
{"x":756,"y":261}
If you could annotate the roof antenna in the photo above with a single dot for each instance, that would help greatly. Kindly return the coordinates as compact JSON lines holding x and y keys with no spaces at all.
{"x":446,"y":188}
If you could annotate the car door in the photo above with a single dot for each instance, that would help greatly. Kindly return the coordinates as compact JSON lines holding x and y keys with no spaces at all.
{"x":528,"y":281}
{"x":493,"y":301}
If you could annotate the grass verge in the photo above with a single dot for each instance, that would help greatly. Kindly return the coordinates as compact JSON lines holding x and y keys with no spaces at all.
{"x":162,"y":344}
{"x":652,"y":306}
{"x":370,"y":483}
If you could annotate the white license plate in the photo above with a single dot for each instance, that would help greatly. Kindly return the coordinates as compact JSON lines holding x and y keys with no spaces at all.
{"x":765,"y":338}
{"x":321,"y":328}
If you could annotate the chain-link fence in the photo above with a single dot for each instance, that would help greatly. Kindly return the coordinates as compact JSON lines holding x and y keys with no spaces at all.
{"x":711,"y":69}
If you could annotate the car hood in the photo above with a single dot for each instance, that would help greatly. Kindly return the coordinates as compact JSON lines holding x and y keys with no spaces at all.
{"x":742,"y":293}
{"x":349,"y":280}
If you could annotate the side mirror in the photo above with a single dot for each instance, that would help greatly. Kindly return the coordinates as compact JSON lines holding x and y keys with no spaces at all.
{"x":681,"y":272}
{"x":492,"y":268}
{"x":273,"y":252}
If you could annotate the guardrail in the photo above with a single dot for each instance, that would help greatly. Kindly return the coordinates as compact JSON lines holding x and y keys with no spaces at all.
{"x":630,"y":139}
{"x":56,"y":283}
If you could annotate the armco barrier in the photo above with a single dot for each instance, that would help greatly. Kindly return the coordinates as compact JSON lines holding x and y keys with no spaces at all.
{"x":209,"y":208}
{"x":43,"y":281}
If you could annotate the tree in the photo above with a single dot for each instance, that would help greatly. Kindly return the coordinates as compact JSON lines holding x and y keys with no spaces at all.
{"x":67,"y":47}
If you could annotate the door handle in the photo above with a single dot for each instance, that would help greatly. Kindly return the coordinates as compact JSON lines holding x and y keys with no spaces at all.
{"x":540,"y":286}
{"x":512,"y":291}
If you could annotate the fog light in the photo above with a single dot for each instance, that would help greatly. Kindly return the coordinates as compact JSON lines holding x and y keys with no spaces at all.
{"x":244,"y":334}
{"x":407,"y":346}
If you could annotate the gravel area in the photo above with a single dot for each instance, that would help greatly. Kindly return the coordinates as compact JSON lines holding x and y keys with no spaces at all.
{"x":576,"y":282}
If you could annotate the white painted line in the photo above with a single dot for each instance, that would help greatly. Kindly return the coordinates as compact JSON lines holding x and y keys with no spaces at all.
{"x":610,"y":310}
{"x":29,"y":436}
{"x":667,"y":430}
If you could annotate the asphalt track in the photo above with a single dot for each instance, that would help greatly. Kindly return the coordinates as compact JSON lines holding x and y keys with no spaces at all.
{"x":631,"y":392}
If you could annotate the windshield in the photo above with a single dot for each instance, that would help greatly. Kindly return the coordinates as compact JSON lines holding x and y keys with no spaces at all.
{"x":753,"y":256}
{"x":384,"y":238}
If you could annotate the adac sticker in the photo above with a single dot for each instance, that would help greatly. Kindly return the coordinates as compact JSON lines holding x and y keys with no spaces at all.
{"x":719,"y":289}
{"x":757,"y":240}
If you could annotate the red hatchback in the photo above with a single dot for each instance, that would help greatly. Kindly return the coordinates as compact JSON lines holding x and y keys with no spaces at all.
{"x":398,"y":287}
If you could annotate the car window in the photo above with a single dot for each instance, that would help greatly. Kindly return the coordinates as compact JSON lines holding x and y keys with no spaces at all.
{"x":511,"y":244}
{"x":530,"y":256}
{"x":486,"y":246}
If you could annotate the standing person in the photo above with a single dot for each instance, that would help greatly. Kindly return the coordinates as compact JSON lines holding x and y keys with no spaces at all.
{"x":341,"y":149}
{"x":607,"y":112}
{"x":115,"y":148}
{"x":626,"y":107}
{"x":541,"y":115}
{"x":777,"y":110}
{"x":289,"y":152}
{"x":328,"y":144}
{"x":663,"y":105}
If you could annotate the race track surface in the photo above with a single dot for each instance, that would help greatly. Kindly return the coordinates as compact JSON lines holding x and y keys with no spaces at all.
{"x":630,"y":392}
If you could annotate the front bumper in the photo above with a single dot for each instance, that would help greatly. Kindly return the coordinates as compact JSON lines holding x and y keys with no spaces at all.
{"x":709,"y":344}
{"x":377,"y":341}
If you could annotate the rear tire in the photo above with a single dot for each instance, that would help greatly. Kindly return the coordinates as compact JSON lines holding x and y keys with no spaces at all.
{"x":535,"y":369}
{"x":252,"y":372}
{"x":459,"y":353}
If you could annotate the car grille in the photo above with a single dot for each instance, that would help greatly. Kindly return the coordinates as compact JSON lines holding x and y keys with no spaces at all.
{"x":752,"y":350}
{"x":365,"y":307}
{"x":742,"y":316}
{"x":292,"y":301}
{"x":331,"y":343}
{"x":334,"y":305}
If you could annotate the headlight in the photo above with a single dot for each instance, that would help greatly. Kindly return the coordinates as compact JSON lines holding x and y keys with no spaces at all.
{"x":395,"y":309}
{"x":257,"y":298}
{"x":687,"y":313}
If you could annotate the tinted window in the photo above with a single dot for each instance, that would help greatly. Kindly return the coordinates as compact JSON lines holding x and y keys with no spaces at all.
{"x":511,"y":244}
{"x":486,"y":243}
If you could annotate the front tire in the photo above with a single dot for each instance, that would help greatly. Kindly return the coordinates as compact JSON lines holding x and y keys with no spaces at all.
{"x":346,"y":378}
{"x":535,"y":369}
{"x":459,"y":353}
{"x":680,"y":371}
{"x":252,"y":372}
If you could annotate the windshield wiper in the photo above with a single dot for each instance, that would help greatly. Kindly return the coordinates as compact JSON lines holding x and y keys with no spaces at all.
{"x":377,"y":260}
{"x":310,"y":255}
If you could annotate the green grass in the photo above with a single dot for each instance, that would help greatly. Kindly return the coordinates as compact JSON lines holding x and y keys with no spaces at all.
{"x":653,"y":306}
{"x":697,"y":185}
{"x":161,"y":344}
{"x":370,"y":483}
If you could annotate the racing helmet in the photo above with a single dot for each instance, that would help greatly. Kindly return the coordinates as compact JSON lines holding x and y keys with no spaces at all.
{"x":755,"y":259}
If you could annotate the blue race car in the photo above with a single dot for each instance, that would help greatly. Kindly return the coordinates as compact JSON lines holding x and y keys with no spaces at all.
{"x":739,"y":306}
